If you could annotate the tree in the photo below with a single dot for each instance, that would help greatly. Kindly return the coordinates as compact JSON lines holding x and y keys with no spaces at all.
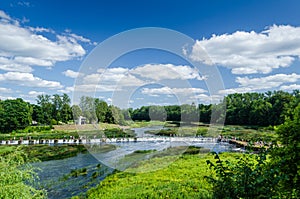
{"x":57,"y":105}
{"x":87,"y":106}
{"x":44,"y":101}
{"x":117,"y":116}
{"x":66,"y":113}
{"x":287,"y":157}
{"x":101,"y":110}
{"x":157,"y":113}
{"x":14,"y":114}
{"x":76,"y":110}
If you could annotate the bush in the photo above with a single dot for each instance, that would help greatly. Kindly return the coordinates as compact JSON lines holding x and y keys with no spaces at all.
{"x":202,"y":131}
{"x":14,"y":173}
{"x":249,"y":177}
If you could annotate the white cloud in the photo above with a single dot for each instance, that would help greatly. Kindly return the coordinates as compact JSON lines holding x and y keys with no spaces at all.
{"x":267,"y":82}
{"x":119,"y":77}
{"x":251,"y":52}
{"x":33,"y":94}
{"x":5,"y":90}
{"x":70,"y":73}
{"x":22,"y":47}
{"x":290,"y":87}
{"x":166,"y":71}
{"x":69,"y":89}
{"x":4,"y":16}
{"x":208,"y":99}
{"x":184,"y":95}
{"x":40,"y":29}
{"x":28,"y":80}
{"x":247,"y":84}
{"x":80,"y":38}
{"x":235,"y":90}
{"x":91,"y":88}
{"x":169,"y":91}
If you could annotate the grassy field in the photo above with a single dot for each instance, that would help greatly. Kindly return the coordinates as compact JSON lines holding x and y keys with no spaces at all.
{"x":183,"y":178}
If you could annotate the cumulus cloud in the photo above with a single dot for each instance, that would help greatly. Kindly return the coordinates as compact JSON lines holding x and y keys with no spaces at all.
{"x":290,"y":87}
{"x":252,"y":52}
{"x":110,"y":78}
{"x":23,"y":47}
{"x":5,"y":90}
{"x":159,"y":72}
{"x":68,"y":89}
{"x":141,"y":75}
{"x":4,"y":17}
{"x":184,"y":95}
{"x":207,"y":99}
{"x":71,"y":73}
{"x":169,"y":91}
{"x":28,"y":80}
{"x":267,"y":82}
{"x":33,"y":94}
{"x":247,"y":84}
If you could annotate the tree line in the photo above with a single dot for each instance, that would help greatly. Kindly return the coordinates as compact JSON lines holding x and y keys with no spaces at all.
{"x":16,"y":114}
{"x":261,"y":109}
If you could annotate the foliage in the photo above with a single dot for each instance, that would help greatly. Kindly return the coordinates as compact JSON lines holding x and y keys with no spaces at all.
{"x":46,"y":152}
{"x":202,"y":131}
{"x":16,"y":175}
{"x":241,"y":109}
{"x":76,"y":111}
{"x":118,"y":133}
{"x":14,"y":114}
{"x":248,"y":176}
{"x":253,"y":176}
{"x":287,"y":157}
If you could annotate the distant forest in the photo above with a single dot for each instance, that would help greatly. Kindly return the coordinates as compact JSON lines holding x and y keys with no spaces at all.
{"x":260,"y":109}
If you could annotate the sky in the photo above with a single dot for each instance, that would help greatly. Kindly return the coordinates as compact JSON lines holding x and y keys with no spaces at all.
{"x":56,"y":47}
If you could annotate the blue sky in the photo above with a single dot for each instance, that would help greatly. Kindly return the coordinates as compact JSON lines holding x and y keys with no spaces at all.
{"x":255,"y":45}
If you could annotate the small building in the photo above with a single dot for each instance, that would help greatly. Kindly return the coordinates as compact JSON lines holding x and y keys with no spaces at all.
{"x":81,"y":120}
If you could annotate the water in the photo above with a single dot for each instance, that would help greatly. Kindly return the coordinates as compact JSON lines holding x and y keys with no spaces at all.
{"x":54,"y":174}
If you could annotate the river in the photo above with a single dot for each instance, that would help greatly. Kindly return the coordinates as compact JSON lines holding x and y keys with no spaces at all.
{"x":55,"y":174}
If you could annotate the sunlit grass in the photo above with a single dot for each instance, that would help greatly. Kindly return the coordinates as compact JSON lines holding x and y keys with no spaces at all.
{"x":178,"y":177}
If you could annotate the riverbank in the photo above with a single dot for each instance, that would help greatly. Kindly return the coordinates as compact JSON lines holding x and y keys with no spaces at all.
{"x":183,"y":177}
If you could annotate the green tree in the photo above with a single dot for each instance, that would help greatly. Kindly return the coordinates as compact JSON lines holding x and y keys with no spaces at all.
{"x":57,"y":106}
{"x":101,"y":110}
{"x":117,"y":116}
{"x":14,"y":114}
{"x":287,"y":156}
{"x":44,"y":101}
{"x":87,"y":106}
{"x":76,"y":110}
{"x":66,"y":113}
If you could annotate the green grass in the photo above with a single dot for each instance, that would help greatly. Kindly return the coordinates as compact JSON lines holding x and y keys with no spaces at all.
{"x":180,"y":177}
{"x":6,"y":149}
{"x":139,"y":124}
{"x":62,"y":134}
{"x":249,"y":133}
